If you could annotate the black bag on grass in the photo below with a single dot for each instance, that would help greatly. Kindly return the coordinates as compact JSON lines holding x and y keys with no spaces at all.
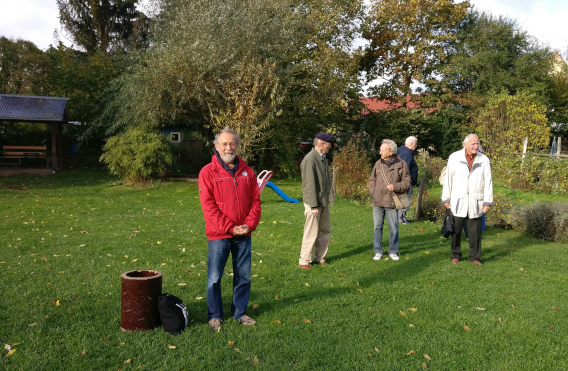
{"x":173,"y":313}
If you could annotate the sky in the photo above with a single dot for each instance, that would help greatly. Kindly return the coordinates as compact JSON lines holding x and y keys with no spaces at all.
{"x":37,"y":20}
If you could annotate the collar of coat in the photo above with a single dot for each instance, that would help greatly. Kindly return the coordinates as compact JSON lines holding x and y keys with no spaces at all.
{"x":394,"y":160}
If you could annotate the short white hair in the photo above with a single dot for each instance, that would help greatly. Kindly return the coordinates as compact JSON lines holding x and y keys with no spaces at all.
{"x":226,"y":129}
{"x":468,"y":137}
{"x":392,"y":145}
{"x":410,"y":140}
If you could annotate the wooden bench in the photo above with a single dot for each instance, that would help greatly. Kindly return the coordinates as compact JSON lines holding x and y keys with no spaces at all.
{"x":25,"y":153}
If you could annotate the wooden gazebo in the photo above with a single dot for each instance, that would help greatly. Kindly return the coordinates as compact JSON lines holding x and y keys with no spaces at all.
{"x":38,"y":109}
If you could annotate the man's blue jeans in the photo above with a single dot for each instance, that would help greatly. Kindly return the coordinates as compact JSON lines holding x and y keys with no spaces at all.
{"x":379,"y":219}
{"x":240,"y":249}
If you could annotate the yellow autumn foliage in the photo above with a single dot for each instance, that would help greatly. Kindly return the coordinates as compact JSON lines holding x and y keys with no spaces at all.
{"x":506,"y":120}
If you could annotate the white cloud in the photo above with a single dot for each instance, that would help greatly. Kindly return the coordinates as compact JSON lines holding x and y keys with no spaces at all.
{"x":33,"y":20}
{"x":546,"y":20}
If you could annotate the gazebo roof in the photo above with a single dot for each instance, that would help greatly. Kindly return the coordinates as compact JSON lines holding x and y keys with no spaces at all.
{"x":30,"y":108}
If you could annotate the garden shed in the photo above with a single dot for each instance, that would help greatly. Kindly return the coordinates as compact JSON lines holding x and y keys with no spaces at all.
{"x":34,"y":109}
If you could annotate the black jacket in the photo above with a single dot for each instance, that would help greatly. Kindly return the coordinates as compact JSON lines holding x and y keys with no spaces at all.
{"x":406,"y":154}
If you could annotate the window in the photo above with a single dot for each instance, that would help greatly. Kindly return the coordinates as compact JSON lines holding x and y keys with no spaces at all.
{"x":175,"y":137}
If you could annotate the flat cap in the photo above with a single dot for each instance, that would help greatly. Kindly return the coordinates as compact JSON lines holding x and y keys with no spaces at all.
{"x":325,"y":137}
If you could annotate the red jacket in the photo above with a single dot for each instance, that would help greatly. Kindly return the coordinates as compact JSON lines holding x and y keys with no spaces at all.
{"x":226,"y":201}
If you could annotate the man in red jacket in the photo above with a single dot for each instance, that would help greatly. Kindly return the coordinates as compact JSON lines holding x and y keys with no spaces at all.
{"x":230,"y":200}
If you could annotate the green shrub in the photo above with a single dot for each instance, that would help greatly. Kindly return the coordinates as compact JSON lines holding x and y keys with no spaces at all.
{"x":137,"y":155}
{"x":534,"y":173}
{"x":353,"y":171}
{"x":430,"y":206}
{"x":544,"y":220}
{"x":503,"y":210}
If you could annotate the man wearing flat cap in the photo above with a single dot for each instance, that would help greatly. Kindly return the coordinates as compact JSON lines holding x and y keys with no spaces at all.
{"x":318,"y":195}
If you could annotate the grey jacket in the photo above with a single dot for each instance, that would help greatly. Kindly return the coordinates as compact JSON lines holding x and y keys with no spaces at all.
{"x":397,"y":175}
{"x":316,"y":180}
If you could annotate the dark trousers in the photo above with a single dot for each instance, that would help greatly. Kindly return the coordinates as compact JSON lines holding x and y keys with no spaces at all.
{"x":473,"y":236}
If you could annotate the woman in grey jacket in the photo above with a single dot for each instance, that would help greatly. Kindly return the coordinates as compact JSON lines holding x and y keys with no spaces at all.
{"x":390,"y":174}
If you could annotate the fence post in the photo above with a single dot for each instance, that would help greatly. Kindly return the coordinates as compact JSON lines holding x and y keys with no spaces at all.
{"x":558,"y":146}
{"x":420,"y":192}
{"x":334,"y":182}
{"x":524,"y":150}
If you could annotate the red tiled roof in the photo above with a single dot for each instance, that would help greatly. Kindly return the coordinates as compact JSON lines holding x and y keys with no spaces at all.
{"x":375,"y":105}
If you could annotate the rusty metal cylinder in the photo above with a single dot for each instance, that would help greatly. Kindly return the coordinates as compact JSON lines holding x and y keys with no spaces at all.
{"x":139,"y":300}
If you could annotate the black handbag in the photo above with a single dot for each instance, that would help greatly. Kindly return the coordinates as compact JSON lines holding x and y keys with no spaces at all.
{"x":448,"y":226}
{"x":173,"y":313}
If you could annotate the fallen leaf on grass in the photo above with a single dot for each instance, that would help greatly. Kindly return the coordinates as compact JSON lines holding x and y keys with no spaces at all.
{"x":499,"y":319}
{"x":466,"y":328}
{"x":171,"y":346}
{"x":138,"y":368}
{"x":231,"y":343}
{"x":412,"y":309}
{"x":427,"y":357}
{"x":306,"y":320}
{"x":182,"y":284}
{"x":84,"y":232}
{"x":255,"y":306}
{"x":128,"y":361}
{"x":548,"y":327}
{"x":411,"y":325}
{"x":57,"y":303}
{"x":402,"y":313}
{"x":307,"y":284}
{"x":425,"y":365}
{"x":159,"y":242}
{"x":238,"y":350}
{"x":255,"y":361}
{"x":33,"y":324}
{"x":7,"y":347}
{"x":360,"y":290}
{"x":410,"y":353}
{"x":555,"y":308}
{"x":277,"y":322}
{"x":376,"y":350}
{"x":83,"y":352}
{"x":105,"y":338}
{"x":479,"y":308}
{"x":121,"y":344}
{"x":342,"y":274}
{"x":199,"y":298}
{"x":9,"y":354}
{"x":276,"y":297}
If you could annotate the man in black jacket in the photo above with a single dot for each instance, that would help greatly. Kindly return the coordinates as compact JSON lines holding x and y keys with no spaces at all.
{"x":406,"y":152}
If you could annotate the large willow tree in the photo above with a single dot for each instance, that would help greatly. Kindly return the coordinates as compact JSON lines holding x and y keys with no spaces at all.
{"x":211,"y":63}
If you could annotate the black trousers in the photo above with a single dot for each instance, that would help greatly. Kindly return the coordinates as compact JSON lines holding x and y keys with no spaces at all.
{"x":473,"y":236}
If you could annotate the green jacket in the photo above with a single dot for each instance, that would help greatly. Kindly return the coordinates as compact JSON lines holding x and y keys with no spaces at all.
{"x":316,"y":180}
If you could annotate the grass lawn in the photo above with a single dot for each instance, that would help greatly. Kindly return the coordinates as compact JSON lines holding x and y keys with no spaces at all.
{"x":66,"y":239}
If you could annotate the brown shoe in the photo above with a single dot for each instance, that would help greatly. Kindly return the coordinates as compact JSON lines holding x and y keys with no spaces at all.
{"x":304,"y":266}
{"x":320,"y":262}
{"x":455,"y":261}
{"x":476,"y":262}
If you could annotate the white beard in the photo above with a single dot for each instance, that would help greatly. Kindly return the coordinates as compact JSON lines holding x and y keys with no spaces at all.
{"x":229,"y":158}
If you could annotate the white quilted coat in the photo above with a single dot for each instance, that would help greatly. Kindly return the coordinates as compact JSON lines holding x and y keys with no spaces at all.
{"x":468,"y":191}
